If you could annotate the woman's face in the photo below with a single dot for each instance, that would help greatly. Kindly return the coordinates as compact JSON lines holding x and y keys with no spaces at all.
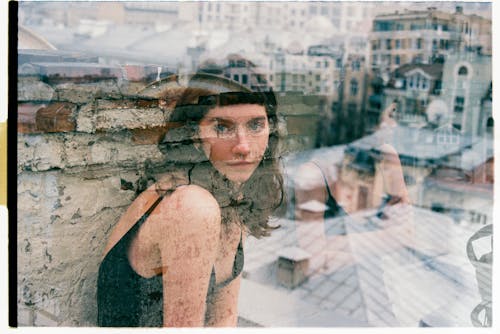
{"x":234,"y":138}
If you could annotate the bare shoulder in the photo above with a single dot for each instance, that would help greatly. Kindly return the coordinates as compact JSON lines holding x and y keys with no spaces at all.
{"x":191,"y":198}
{"x":188,"y":206}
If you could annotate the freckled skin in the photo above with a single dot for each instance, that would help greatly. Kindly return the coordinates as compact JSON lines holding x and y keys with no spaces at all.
{"x":183,"y":237}
{"x":246,"y":144}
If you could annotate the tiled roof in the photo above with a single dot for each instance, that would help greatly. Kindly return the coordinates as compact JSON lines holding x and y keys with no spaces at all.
{"x":410,"y":143}
{"x":381,"y":281}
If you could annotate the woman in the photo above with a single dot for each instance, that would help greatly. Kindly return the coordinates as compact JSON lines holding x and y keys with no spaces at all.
{"x":321,"y":194}
{"x":175,"y":257}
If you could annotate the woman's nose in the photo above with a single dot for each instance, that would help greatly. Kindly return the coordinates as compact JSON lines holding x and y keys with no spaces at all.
{"x":242,"y":146}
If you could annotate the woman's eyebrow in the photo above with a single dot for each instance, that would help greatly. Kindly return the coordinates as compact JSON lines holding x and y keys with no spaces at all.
{"x":258,"y":118}
{"x":222,"y":119}
{"x":235,"y":120}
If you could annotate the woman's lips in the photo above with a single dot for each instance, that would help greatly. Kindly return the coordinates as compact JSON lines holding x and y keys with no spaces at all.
{"x":241,"y":163}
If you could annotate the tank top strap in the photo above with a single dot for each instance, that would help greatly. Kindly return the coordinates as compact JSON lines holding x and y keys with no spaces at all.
{"x":324,"y":179}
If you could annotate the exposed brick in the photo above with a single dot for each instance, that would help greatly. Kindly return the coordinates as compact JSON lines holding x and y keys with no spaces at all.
{"x":44,"y":318}
{"x":25,"y":316}
{"x":56,"y":117}
{"x":122,"y":117}
{"x":133,"y":87}
{"x":87,"y":92}
{"x":26,"y":117}
{"x":127,"y":103}
{"x":40,"y":152}
{"x":32,"y":89}
{"x":85,"y":118}
{"x":151,"y":135}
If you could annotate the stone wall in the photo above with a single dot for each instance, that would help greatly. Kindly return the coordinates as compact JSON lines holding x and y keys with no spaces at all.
{"x":86,"y":143}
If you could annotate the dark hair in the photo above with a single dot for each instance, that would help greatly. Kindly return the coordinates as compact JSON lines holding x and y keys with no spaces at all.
{"x":259,"y":196}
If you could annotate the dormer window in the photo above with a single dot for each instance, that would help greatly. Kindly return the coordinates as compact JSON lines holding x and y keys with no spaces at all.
{"x":418,"y":81}
{"x":462,"y":71}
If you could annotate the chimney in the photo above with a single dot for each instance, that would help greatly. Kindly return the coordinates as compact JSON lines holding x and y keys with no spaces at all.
{"x":293,"y":266}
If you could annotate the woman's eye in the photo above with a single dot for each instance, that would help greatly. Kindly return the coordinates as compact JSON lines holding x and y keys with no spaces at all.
{"x":256,"y":125}
{"x":222,"y":129}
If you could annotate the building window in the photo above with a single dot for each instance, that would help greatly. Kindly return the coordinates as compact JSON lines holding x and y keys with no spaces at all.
{"x":425,"y":84}
{"x":374,"y":60}
{"x":324,"y":11}
{"x":355,"y":65}
{"x":244,"y":79}
{"x":423,"y":103}
{"x":397,"y":60}
{"x":419,"y":43}
{"x":318,"y":64}
{"x":318,"y":77}
{"x":354,"y":87}
{"x":388,"y":44}
{"x":462,"y":71}
{"x":313,"y":10}
{"x":398,"y":44}
{"x":459,"y":104}
{"x":236,"y":77}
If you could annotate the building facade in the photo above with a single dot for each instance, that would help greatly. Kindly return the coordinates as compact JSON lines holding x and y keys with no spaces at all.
{"x":416,"y":36}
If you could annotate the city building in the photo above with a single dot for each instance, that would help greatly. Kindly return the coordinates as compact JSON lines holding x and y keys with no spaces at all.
{"x":414,"y":87}
{"x":422,"y":36}
{"x":467,"y":81}
{"x":456,"y":91}
{"x":443,"y":169}
{"x":352,"y":99}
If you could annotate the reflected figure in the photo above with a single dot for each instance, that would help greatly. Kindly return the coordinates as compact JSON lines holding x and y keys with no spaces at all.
{"x":324,"y":193}
{"x":175,"y":257}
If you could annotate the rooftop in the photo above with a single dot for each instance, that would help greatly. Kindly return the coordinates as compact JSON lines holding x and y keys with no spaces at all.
{"x":374,"y":280}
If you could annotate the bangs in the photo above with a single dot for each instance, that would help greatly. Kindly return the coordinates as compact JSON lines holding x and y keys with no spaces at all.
{"x":231,"y":98}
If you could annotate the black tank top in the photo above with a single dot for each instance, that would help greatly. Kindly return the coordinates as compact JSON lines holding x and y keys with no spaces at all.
{"x":126,"y":299}
{"x":332,"y":227}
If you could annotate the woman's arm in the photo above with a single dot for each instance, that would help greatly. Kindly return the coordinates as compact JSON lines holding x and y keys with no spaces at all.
{"x":310,"y":203}
{"x":222,"y":306}
{"x":187,"y":228}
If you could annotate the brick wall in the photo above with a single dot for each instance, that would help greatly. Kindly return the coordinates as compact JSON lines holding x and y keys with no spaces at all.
{"x":86,"y":143}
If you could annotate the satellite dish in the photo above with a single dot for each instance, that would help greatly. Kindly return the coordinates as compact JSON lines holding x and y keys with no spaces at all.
{"x":437,"y":112}
{"x":385,"y":78}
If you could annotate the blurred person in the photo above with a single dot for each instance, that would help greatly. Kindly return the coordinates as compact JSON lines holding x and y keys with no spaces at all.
{"x":175,"y":257}
{"x":321,"y":196}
